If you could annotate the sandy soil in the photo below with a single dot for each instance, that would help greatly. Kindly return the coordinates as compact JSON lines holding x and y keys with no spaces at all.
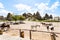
{"x":35,"y":35}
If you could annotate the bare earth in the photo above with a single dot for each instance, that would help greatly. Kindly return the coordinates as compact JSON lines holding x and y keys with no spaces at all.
{"x":35,"y":35}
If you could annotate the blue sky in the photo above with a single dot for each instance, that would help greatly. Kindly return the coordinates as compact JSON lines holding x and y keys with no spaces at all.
{"x":21,"y":6}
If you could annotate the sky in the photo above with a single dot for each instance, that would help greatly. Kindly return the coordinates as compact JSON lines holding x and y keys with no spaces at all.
{"x":19,"y":7}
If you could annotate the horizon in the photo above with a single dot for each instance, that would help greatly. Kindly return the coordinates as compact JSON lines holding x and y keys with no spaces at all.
{"x":19,"y":7}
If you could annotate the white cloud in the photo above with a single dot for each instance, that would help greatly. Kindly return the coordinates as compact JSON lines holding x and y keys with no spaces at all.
{"x":1,"y":5}
{"x":41,"y":7}
{"x":21,"y":7}
{"x":3,"y":11}
{"x":54,"y":6}
{"x":44,"y":6}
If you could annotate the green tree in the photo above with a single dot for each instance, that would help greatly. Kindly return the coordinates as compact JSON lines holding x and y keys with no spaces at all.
{"x":25,"y":15}
{"x":29,"y":14}
{"x":38,"y":16}
{"x":34,"y":15}
{"x":46,"y":16}
{"x":22,"y":18}
{"x":16,"y":17}
{"x":51,"y":16}
{"x":9,"y":17}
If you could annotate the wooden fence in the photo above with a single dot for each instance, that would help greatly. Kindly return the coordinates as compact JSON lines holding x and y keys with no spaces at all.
{"x":52,"y":34}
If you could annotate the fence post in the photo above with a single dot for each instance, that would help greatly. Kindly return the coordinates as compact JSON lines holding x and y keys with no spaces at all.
{"x":30,"y":35}
{"x":1,"y":32}
{"x":21,"y":33}
{"x":53,"y":36}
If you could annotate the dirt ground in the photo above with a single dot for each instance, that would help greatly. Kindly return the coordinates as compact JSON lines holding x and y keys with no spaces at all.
{"x":34,"y":35}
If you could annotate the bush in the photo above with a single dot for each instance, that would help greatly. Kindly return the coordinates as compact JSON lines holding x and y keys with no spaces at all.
{"x":22,"y":18}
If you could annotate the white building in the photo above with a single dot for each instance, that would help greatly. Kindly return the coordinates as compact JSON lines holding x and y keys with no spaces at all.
{"x":57,"y":18}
